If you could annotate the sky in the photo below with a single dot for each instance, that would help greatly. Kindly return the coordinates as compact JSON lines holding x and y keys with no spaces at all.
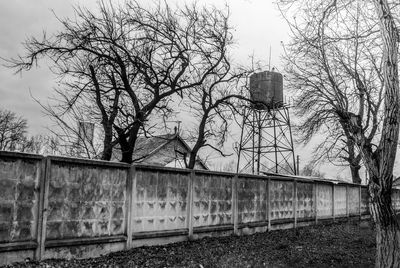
{"x":258,"y":25}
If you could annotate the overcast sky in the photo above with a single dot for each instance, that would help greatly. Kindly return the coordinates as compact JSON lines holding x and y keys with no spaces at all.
{"x":258,"y":26}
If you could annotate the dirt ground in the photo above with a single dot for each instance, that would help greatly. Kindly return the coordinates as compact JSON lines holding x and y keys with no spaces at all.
{"x":334,"y":245}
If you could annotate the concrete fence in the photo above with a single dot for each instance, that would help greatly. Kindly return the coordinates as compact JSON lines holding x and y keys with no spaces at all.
{"x":56,"y":207}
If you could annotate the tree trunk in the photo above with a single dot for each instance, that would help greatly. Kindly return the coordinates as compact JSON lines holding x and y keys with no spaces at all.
{"x":380,"y":185}
{"x":387,"y":228}
{"x":192,"y":160}
{"x":200,"y":140}
{"x":127,"y":142}
{"x":387,"y":246}
{"x":127,"y":153}
{"x":353,"y":158}
{"x":107,"y":143}
{"x":107,"y":148}
{"x":355,"y":173}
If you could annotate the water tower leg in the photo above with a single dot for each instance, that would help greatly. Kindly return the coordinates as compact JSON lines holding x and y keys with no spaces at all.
{"x":259,"y":126}
{"x":241,"y":142}
{"x":291,"y":141}
{"x":275,"y":145}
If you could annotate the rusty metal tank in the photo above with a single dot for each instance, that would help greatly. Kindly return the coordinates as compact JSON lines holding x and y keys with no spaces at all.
{"x":266,"y":90}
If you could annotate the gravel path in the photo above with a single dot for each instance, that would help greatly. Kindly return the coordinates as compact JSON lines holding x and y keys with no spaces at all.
{"x":335,"y":245}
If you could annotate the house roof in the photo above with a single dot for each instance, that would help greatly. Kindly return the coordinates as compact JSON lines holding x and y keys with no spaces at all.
{"x":147,"y":147}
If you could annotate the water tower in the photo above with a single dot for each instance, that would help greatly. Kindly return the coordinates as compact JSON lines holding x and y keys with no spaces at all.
{"x":266,"y":143}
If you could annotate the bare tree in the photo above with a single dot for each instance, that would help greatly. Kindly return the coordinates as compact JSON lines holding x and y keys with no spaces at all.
{"x":41,"y":144}
{"x":150,"y":53}
{"x":333,"y":67}
{"x":312,"y":170}
{"x":378,"y":153}
{"x":211,"y":105}
{"x":12,"y":130}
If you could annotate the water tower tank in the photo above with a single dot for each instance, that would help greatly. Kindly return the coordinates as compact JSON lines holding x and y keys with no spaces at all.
{"x":267,"y":89}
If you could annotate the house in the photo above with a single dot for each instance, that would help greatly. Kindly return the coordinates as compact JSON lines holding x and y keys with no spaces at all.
{"x":165,"y":150}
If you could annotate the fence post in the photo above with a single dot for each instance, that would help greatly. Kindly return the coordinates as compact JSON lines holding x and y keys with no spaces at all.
{"x":333,"y":202}
{"x":45,"y":170}
{"x":39,"y":222}
{"x":190,"y":205}
{"x":131,"y":180}
{"x":269,"y":203}
{"x":235,"y":205}
{"x":295,"y":202}
{"x":359,"y":201}
{"x":347,"y":202}
{"x":316,"y":201}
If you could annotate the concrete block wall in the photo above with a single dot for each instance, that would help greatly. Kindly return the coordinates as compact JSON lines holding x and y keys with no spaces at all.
{"x":56,"y":207}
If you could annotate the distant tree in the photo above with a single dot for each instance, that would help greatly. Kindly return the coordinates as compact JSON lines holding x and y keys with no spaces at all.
{"x":34,"y":144}
{"x":14,"y":137}
{"x":230,"y":166}
{"x":311,"y":170}
{"x":12,"y":130}
{"x":138,"y":57}
{"x":42,"y":144}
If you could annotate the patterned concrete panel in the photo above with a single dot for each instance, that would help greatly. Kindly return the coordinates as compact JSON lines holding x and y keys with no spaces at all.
{"x":282,"y":193}
{"x":252,"y":200}
{"x":212,"y":200}
{"x":396,"y":199}
{"x":305,"y":200}
{"x":354,"y":200}
{"x":161,"y":201}
{"x":85,"y":201}
{"x":364,"y":200}
{"x":324,"y":200}
{"x":19,"y":179}
{"x":340,"y":200}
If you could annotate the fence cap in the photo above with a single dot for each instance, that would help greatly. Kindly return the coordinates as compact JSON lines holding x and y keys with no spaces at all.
{"x":309,"y":178}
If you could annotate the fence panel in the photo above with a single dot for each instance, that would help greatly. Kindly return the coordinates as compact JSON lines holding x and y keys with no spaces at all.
{"x":364,"y":200}
{"x":305,"y":202}
{"x":282,"y":193}
{"x":85,"y":200}
{"x":396,"y":199}
{"x":19,"y":179}
{"x":340,"y":200}
{"x":212,"y":200}
{"x":160,"y":201}
{"x":354,"y":200}
{"x":324,"y":200}
{"x":252,"y":200}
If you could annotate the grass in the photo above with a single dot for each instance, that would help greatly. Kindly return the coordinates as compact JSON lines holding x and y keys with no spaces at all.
{"x":334,"y":245}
